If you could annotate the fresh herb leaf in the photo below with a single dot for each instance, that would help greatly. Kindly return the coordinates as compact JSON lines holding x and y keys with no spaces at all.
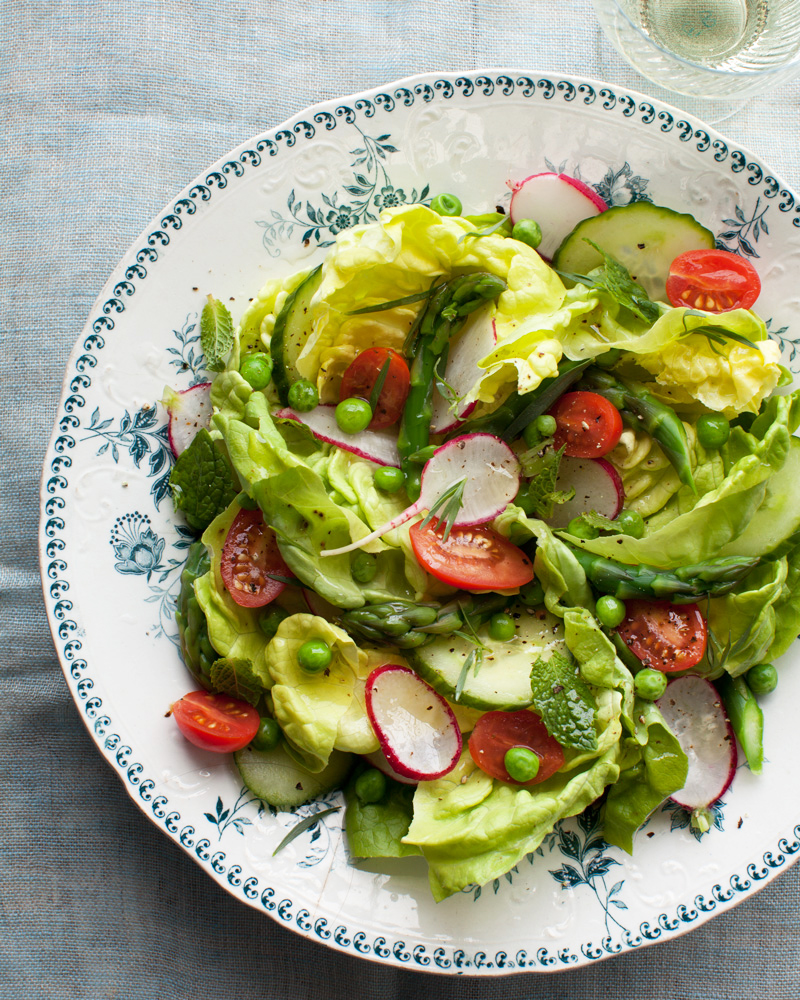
{"x":302,"y":826}
{"x":714,"y":333}
{"x":471,"y":658}
{"x":216,"y":333}
{"x":237,"y":678}
{"x":564,"y":701}
{"x":406,"y":300}
{"x":377,"y":389}
{"x":543,"y":397}
{"x":543,"y":470}
{"x":476,"y":234}
{"x":616,"y":279}
{"x":445,"y":508}
{"x":201,"y":482}
{"x":594,"y":520}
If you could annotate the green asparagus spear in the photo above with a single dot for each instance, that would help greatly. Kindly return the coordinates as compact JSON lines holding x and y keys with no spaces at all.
{"x":408,"y":626}
{"x":445,"y":314}
{"x":198,"y":653}
{"x":639,"y":408}
{"x":713,"y":577}
{"x":746,"y":718}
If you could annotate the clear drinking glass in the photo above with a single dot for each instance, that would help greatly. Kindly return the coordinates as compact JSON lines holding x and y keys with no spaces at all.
{"x":714,"y":49}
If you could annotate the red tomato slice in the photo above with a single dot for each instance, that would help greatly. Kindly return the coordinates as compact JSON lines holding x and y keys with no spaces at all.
{"x":216,"y":721}
{"x":360,"y":378}
{"x":476,"y":558}
{"x":249,"y":554}
{"x":714,"y":280}
{"x":664,"y":636}
{"x":497,"y":732}
{"x":588,"y":424}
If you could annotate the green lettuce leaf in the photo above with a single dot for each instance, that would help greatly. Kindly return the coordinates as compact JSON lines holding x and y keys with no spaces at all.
{"x":321,"y":712}
{"x":654,"y":768}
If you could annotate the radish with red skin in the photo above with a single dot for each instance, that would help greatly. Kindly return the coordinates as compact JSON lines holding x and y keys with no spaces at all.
{"x":189,"y":411}
{"x":693,"y":710}
{"x":378,"y":446}
{"x":597,"y":485}
{"x":473,"y":343}
{"x":489,"y":470}
{"x":415,"y":726}
{"x":557,"y":202}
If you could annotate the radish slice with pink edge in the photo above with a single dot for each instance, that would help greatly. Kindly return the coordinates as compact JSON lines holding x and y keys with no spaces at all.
{"x":378,"y":760}
{"x":189,"y":410}
{"x":473,"y":343}
{"x":488,"y":469}
{"x":557,"y":202}
{"x":379,"y":447}
{"x":415,"y":726}
{"x":597,"y":485}
{"x":693,"y":710}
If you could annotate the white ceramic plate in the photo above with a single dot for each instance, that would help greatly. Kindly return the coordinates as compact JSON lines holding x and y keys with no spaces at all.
{"x":112,"y":550}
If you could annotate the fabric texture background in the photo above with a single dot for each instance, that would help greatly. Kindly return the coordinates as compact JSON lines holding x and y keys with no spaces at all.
{"x":108,"y":109}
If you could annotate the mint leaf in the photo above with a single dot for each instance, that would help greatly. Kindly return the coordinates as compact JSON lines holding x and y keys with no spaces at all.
{"x":594,"y":520}
{"x":616,"y":279}
{"x":216,"y":333}
{"x":201,"y":482}
{"x":563,"y":700}
{"x":236,"y":678}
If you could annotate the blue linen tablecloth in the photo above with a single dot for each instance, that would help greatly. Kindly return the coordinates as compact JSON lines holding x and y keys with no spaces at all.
{"x":108,"y":109}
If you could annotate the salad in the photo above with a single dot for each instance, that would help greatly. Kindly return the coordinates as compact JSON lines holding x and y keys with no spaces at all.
{"x":494,"y":521}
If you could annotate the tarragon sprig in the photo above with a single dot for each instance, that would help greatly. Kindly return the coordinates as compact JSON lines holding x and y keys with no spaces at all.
{"x":445,"y":507}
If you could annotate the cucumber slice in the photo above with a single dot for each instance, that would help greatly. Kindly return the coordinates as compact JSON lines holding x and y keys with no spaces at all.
{"x":504,"y":678}
{"x":292,"y":329}
{"x":646,"y":238}
{"x":279,"y":781}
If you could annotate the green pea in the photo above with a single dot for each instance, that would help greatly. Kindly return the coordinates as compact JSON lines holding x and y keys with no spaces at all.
{"x":270,"y":621}
{"x":525,"y":501}
{"x":388,"y":478}
{"x":650,"y":684}
{"x":609,"y":358}
{"x":371,"y":785}
{"x":546,"y":424}
{"x":631,"y":522}
{"x":363,"y":567}
{"x":446,"y":204}
{"x":521,"y":763}
{"x":502,"y":627}
{"x":762,"y":678}
{"x":303,"y":396}
{"x":531,"y":435}
{"x":713,"y":430}
{"x":314,"y":656}
{"x":256,"y":369}
{"x":610,"y":611}
{"x":353,"y":415}
{"x":532,"y":594}
{"x":578,"y":528}
{"x":527,"y":231}
{"x":268,"y":735}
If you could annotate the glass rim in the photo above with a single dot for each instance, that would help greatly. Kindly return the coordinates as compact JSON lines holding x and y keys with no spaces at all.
{"x":746,"y":74}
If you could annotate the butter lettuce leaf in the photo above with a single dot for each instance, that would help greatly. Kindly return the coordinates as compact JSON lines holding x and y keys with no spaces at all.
{"x":321,"y":712}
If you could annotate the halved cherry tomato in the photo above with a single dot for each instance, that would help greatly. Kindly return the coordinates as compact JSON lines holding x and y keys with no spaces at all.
{"x":476,"y":558}
{"x":497,"y":732}
{"x":587,"y":424}
{"x":249,"y":554}
{"x":664,"y":636}
{"x":360,"y":378}
{"x":216,"y":721}
{"x":714,"y":280}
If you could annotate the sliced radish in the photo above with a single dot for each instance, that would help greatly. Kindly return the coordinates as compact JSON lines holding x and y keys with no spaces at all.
{"x":557,"y":202}
{"x":415,"y":726}
{"x":693,"y":710}
{"x":378,"y":760}
{"x":379,"y":447}
{"x":189,"y":410}
{"x":475,"y":341}
{"x":489,"y":470}
{"x":597,"y":485}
